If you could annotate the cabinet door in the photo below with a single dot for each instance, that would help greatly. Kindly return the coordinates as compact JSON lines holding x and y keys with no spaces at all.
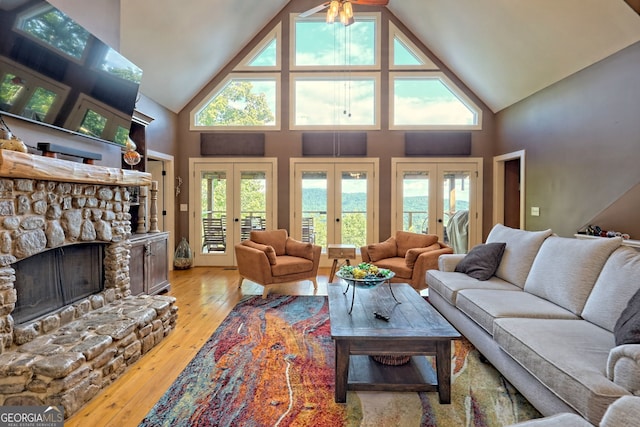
{"x":136,"y":268}
{"x":157,"y":272}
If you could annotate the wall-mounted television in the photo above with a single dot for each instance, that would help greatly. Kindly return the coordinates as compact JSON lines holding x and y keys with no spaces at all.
{"x":55,"y":72}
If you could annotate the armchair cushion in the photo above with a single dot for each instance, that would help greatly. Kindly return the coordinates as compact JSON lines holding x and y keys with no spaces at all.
{"x":299,"y":249}
{"x":382,"y":250}
{"x":406,"y":240}
{"x":482,"y":261}
{"x":275,"y":238}
{"x":268,"y":250}
{"x":413,"y":254}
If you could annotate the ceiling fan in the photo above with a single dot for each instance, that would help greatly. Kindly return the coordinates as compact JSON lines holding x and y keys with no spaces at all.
{"x":342,"y":9}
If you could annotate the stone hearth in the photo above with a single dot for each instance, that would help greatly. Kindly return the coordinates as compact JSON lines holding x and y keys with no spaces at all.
{"x":66,"y":357}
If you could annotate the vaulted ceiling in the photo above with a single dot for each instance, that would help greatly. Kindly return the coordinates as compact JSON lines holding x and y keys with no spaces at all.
{"x":503,"y":50}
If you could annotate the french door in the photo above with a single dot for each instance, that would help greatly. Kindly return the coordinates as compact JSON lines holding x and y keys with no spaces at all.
{"x":439,"y":196}
{"x":228,"y":199}
{"x":334,"y":201}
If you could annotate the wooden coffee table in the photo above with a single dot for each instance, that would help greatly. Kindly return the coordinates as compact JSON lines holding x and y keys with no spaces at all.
{"x":414,"y":329}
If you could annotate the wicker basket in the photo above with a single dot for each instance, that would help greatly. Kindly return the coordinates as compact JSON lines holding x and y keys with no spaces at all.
{"x":395,"y":360}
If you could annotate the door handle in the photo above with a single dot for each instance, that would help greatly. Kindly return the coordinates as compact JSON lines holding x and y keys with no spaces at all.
{"x":337,"y":219}
{"x":236,"y":220}
{"x":440,"y":220}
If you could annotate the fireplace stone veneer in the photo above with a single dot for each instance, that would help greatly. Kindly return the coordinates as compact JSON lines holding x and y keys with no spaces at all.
{"x":66,"y":357}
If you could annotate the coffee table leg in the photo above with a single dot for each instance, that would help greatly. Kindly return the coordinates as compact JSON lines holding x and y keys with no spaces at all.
{"x":443,"y":368}
{"x":342,"y":371}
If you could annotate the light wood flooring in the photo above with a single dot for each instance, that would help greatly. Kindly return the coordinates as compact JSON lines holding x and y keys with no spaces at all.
{"x":205,"y":295}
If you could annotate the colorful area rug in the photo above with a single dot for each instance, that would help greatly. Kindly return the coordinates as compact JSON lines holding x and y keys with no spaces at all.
{"x":271,"y":363}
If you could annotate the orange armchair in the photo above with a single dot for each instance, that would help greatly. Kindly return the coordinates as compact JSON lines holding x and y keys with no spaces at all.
{"x":272,"y":257}
{"x":408,"y":255}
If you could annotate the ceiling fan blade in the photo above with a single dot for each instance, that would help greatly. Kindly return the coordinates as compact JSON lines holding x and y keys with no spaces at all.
{"x":371,"y":2}
{"x":314,"y":10}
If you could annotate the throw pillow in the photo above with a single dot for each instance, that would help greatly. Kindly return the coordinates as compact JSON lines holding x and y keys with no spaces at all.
{"x":268,"y":250}
{"x":275,"y":238}
{"x":299,"y":249}
{"x":382,"y":250}
{"x":412,"y":254}
{"x":627,"y":328}
{"x":482,"y":261}
{"x":406,"y":240}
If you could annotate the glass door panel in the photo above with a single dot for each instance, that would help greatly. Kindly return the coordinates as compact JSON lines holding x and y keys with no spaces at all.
{"x":334,"y":201}
{"x":253,"y":201}
{"x":415,"y":201}
{"x":354,"y":225}
{"x":455,"y":209}
{"x":230,"y":200}
{"x":435,"y":197}
{"x":314,"y":207}
{"x":213,"y":242}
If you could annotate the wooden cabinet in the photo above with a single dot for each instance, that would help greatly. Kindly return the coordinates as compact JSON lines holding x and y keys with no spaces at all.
{"x":149,"y":266}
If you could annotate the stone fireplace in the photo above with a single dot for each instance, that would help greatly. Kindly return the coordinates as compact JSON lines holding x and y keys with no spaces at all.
{"x":64,"y":352}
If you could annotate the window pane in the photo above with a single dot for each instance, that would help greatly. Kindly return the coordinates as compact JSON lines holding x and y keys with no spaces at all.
{"x":402,"y":55}
{"x":354,"y":208}
{"x":213,"y":187}
{"x":58,"y":30}
{"x":122,"y":134}
{"x":39,"y":104}
{"x":335,"y":102}
{"x":415,"y":202}
{"x":428,"y":101}
{"x":314,"y":204}
{"x":241,"y":102}
{"x":266,"y":57}
{"x":320,"y":44}
{"x":93,"y":124}
{"x":11,"y":89}
{"x":119,"y":66}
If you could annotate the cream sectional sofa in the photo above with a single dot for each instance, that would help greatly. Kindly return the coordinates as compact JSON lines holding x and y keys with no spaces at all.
{"x":546,"y":318}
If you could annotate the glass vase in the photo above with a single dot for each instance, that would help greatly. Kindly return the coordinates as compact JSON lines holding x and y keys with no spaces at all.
{"x":183,"y":257}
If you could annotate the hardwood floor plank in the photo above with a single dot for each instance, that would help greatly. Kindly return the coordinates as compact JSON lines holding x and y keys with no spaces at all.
{"x":205,"y":295}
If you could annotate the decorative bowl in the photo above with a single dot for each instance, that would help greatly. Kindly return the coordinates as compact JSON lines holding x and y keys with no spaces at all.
{"x":364,"y":275}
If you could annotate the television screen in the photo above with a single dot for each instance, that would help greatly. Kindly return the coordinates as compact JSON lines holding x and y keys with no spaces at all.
{"x":54,"y":72}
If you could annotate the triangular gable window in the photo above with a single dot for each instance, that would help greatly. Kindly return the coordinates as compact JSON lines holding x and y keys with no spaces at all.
{"x":404,"y":54}
{"x":241,"y":101}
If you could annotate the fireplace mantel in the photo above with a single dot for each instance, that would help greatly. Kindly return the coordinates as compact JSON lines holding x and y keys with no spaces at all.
{"x":14,"y":164}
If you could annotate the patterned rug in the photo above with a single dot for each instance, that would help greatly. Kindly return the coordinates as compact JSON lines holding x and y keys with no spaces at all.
{"x":271,"y":363}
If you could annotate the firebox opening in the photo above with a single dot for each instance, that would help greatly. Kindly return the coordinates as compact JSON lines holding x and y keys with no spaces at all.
{"x":56,"y":278}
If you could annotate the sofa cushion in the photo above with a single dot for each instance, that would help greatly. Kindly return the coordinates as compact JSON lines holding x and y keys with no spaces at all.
{"x":449,"y":283}
{"x":522,"y":247}
{"x":275,"y":238}
{"x":382,"y":250}
{"x":268,"y":250}
{"x":412,"y":254}
{"x":617,"y":282}
{"x":406,"y":240}
{"x":567,"y":356}
{"x":482,"y":260}
{"x":398,"y":266}
{"x":486,"y":305}
{"x":291,"y":265}
{"x":566,"y":269}
{"x":627,"y":328}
